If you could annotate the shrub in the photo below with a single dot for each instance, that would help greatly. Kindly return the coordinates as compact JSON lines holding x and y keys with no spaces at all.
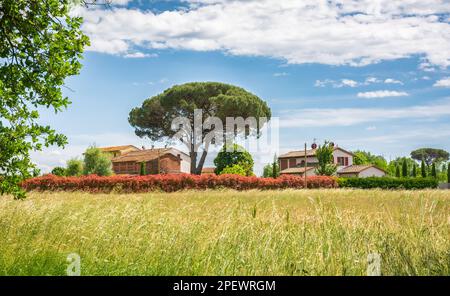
{"x":59,"y":171}
{"x":96,"y":162}
{"x":171,"y":182}
{"x":74,"y":167}
{"x":234,"y":170}
{"x":388,"y":183}
{"x":231,"y":155}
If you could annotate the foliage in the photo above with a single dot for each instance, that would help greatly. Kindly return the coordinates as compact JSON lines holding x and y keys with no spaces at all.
{"x":235,"y":169}
{"x":423,"y":170}
{"x":430,"y":155}
{"x":59,"y":171}
{"x":398,"y":162}
{"x":404,"y":169}
{"x":233,"y":155}
{"x":388,"y":183}
{"x":41,"y":46}
{"x":364,"y":158}
{"x":433,"y":170}
{"x":324,"y":154}
{"x":154,"y":118}
{"x":74,"y":167}
{"x":96,"y":162}
{"x":171,"y":182}
{"x":142,"y":170}
{"x":397,"y":171}
{"x":414,"y":171}
{"x":272,"y":169}
{"x":448,"y":173}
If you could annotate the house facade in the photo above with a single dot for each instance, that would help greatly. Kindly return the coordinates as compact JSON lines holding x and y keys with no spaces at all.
{"x":293,"y":163}
{"x":157,"y":161}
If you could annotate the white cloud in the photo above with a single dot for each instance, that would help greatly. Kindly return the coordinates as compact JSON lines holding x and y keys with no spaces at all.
{"x":329,"y":32}
{"x":445,"y":82}
{"x":349,"y":82}
{"x":381,"y":94}
{"x":392,"y":81}
{"x":137,"y":55}
{"x":280,"y":74}
{"x":316,"y":117}
{"x":370,"y":80}
{"x":371,"y":128}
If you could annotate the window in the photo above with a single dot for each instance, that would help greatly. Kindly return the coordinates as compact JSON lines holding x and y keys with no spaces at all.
{"x":342,"y":161}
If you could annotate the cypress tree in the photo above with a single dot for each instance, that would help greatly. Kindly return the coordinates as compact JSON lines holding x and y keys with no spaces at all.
{"x":414,"y":171}
{"x":404,"y":168}
{"x":423,"y":170}
{"x":433,"y":171}
{"x":143,"y":172}
{"x":397,"y":171}
{"x":448,"y":173}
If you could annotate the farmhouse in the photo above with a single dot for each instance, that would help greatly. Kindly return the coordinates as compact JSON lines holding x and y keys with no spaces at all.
{"x":293,"y":163}
{"x":163,"y":160}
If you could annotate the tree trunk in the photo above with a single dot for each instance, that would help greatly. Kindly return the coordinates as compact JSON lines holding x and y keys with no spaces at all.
{"x":201,"y":162}
{"x":193,"y":156}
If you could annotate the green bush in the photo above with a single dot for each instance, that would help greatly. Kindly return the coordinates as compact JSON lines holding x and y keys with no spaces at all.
{"x":59,"y":171}
{"x":234,"y":155}
{"x":74,"y":167}
{"x":96,"y":162}
{"x":234,"y":170}
{"x":388,"y":183}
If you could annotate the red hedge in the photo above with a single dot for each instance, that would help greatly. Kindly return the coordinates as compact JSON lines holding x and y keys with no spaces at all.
{"x":170,"y":183}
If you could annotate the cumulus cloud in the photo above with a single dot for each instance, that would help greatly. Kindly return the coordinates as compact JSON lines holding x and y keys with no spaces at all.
{"x":336,"y":84}
{"x":445,"y":82}
{"x":333,"y":32}
{"x":280,"y":74}
{"x":392,"y":81}
{"x":381,"y":94}
{"x":316,"y":117}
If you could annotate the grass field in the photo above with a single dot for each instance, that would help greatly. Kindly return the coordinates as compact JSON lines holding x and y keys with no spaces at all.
{"x":292,"y":232}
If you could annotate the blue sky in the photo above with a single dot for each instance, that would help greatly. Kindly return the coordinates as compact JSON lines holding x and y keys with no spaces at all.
{"x":327,"y":72}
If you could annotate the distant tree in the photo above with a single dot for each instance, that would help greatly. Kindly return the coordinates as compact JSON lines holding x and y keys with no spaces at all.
{"x":235,"y":169}
{"x":423,"y":169}
{"x":364,"y":157}
{"x":74,"y":167}
{"x":433,"y":170}
{"x":414,"y":171}
{"x":96,"y":162}
{"x":272,"y":169}
{"x":142,"y":169}
{"x":404,"y":168}
{"x":153,"y":119}
{"x":397,"y":171}
{"x":448,"y":173}
{"x":324,"y":155}
{"x":430,"y":155}
{"x":230,"y":156}
{"x":58,"y":171}
{"x":392,"y":167}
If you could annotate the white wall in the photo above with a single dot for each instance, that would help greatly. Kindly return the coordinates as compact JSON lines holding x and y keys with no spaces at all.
{"x":371,"y":172}
{"x":339,"y":153}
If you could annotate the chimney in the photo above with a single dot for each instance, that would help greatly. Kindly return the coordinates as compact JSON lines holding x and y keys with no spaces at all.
{"x":143,"y":147}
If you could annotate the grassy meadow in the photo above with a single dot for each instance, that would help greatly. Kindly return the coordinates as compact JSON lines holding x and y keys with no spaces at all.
{"x":290,"y":232}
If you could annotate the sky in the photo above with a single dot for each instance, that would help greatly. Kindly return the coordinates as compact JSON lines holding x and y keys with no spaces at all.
{"x":367,"y":75}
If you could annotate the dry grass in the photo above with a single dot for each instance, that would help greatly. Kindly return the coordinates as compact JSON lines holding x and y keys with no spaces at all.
{"x":292,"y":232}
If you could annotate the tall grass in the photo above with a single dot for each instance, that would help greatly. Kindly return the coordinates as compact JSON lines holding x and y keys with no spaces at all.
{"x":291,"y":232}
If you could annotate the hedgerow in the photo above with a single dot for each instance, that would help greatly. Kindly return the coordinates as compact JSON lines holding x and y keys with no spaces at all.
{"x":170,"y":183}
{"x":388,"y":183}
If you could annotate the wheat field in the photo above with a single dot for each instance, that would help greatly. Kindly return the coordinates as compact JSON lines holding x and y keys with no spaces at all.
{"x":290,"y":232}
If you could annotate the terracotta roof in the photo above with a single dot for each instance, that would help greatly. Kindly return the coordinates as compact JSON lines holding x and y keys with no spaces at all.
{"x":117,"y":148}
{"x":356,"y":169}
{"x":209,"y":170}
{"x":142,"y":155}
{"x":309,"y":152}
{"x":298,"y":170}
